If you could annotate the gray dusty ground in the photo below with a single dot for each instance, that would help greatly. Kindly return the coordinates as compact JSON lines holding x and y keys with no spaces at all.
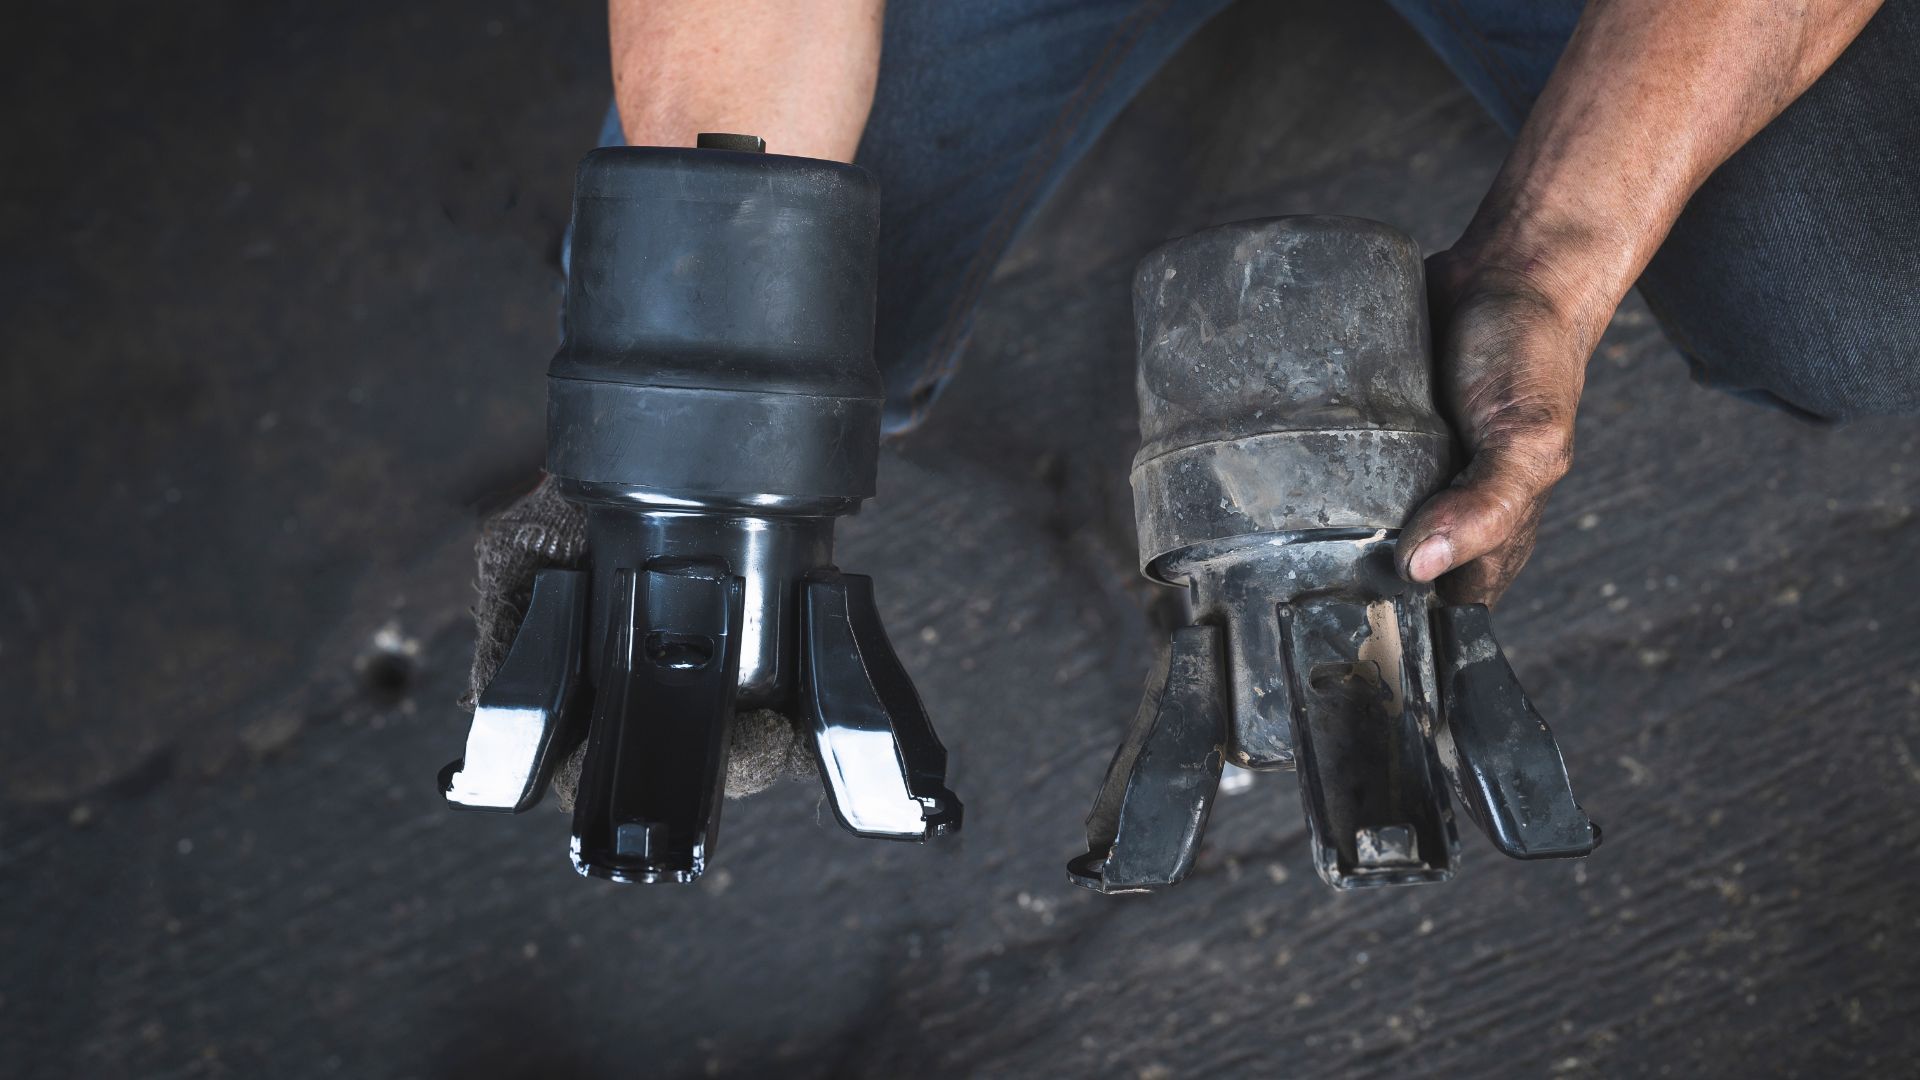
{"x":277,"y":295}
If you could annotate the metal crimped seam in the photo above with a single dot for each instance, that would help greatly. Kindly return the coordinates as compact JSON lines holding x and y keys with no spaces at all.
{"x":1183,"y":497}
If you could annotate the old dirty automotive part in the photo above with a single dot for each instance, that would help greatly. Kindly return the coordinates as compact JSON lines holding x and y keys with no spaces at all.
{"x":713,"y":408}
{"x":1288,"y":430}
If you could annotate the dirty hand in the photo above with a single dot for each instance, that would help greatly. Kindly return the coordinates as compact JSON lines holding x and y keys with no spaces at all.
{"x":540,"y":530}
{"x":1510,"y":370}
{"x":1647,"y":99}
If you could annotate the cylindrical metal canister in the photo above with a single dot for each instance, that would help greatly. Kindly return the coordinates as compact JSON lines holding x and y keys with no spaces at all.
{"x":716,"y":392}
{"x":719,"y":329}
{"x":1285,"y":383}
{"x":713,"y":408}
{"x":1288,"y":432}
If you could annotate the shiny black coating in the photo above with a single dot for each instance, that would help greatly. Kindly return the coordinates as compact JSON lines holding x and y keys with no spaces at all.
{"x":526,"y":718}
{"x":713,"y":408}
{"x":722,"y":269}
{"x":719,"y":326}
{"x":648,"y":807}
{"x":884,"y":767}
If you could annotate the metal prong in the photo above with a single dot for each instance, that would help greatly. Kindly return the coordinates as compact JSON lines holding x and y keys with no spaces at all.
{"x":522,"y":719}
{"x":1504,"y":761}
{"x":1144,"y":830}
{"x":649,"y":802}
{"x":884,"y":767}
{"x":1375,"y":809}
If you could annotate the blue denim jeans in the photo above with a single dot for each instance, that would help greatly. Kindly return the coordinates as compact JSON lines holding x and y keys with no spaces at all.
{"x":1792,"y":278}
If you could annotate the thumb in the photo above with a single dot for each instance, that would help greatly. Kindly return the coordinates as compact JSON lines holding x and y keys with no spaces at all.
{"x":1488,"y":505}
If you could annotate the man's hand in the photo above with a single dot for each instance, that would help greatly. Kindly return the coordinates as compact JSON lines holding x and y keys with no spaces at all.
{"x":1647,"y":100}
{"x":1510,"y":377}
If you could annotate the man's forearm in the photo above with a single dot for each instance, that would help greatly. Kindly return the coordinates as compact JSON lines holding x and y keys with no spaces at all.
{"x":1649,"y":98}
{"x":798,"y":73}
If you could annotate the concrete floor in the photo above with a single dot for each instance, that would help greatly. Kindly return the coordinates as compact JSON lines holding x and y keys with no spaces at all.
{"x":278,"y":294}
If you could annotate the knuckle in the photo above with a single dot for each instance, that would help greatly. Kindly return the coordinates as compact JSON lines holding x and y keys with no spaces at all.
{"x":1510,"y":506}
{"x":1555,"y":456}
{"x":1537,"y":447}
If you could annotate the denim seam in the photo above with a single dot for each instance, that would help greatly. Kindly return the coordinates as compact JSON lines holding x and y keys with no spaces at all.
{"x":1122,"y":41}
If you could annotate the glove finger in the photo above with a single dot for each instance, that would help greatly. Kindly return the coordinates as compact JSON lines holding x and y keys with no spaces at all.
{"x":540,"y":530}
{"x":767,"y":748}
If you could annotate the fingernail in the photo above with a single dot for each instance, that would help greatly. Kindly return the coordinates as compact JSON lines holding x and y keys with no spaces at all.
{"x":1430,"y":559}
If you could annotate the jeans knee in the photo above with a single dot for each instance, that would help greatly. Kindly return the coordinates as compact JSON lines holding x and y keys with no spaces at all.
{"x":1822,"y":356}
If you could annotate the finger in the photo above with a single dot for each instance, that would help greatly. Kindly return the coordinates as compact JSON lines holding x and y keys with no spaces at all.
{"x":1485,"y":579}
{"x":1488,"y":504}
{"x":539,"y":530}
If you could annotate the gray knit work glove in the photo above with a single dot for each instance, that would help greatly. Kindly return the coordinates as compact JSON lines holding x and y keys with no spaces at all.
{"x":544,"y":530}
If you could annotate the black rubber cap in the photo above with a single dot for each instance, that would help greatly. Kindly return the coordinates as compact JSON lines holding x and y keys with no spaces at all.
{"x":719,"y":329}
{"x":722,"y":269}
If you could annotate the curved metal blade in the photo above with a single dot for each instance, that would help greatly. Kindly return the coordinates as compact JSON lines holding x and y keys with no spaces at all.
{"x":522,"y":718}
{"x":884,"y":767}
{"x":1504,"y":760}
{"x":1145,"y":826}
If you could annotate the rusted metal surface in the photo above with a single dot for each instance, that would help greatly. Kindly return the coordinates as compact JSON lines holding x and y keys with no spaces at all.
{"x":1296,"y":349}
{"x":1282,"y":383}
